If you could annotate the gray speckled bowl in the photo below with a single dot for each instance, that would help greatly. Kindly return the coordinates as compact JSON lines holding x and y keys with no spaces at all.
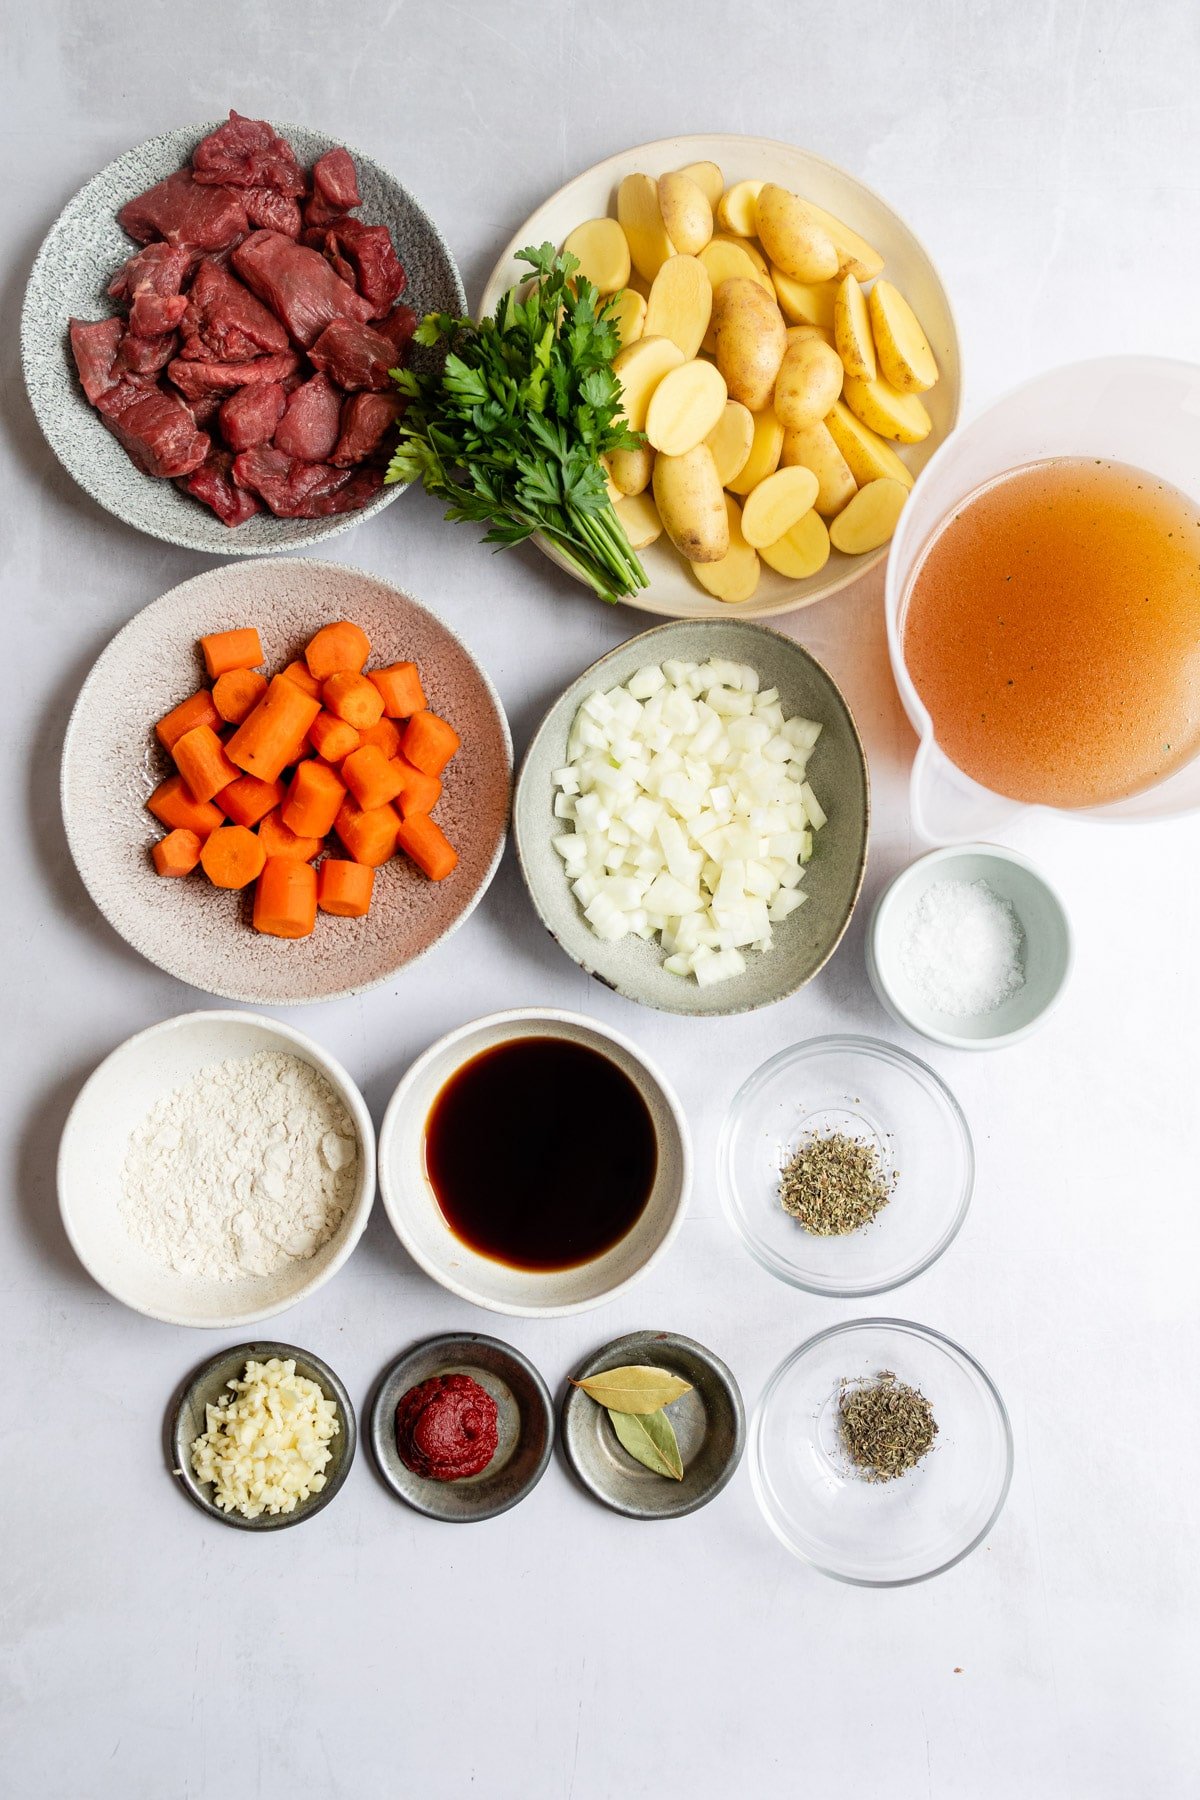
{"x":838,"y":771}
{"x":186,"y":1422}
{"x":710,"y":1424}
{"x":83,"y":251}
{"x":525,"y":1427}
{"x":112,"y":761}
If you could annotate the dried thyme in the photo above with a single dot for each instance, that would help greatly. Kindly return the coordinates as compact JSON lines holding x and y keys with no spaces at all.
{"x":886,"y":1426}
{"x":835,"y":1184}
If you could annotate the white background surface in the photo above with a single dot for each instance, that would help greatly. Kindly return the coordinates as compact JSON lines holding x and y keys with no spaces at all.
{"x":1049,"y":157}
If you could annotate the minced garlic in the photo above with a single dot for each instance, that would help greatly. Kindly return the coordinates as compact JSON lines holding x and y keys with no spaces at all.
{"x":267,"y":1440}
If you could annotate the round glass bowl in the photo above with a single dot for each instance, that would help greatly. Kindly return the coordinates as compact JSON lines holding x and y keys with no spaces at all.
{"x":868,"y":1090}
{"x":880,"y":1533}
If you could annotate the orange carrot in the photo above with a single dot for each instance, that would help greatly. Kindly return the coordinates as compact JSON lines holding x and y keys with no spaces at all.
{"x":385,"y":735}
{"x":271,"y":737}
{"x":237,"y":692}
{"x":247,"y":800}
{"x":201,"y":760}
{"x":197,"y":709}
{"x":285,"y":900}
{"x":419,"y":793}
{"x":225,"y":650}
{"x":313,"y":800}
{"x":177,"y":853}
{"x":371,"y":778}
{"x":298,"y":672}
{"x":344,"y":888}
{"x":370,"y":837}
{"x":353,"y":698}
{"x":400,"y":685}
{"x":425,"y":841}
{"x":278,"y":839}
{"x":174,"y":806}
{"x":331,"y":737}
{"x":232,"y":857}
{"x":428,"y":742}
{"x":337,"y":647}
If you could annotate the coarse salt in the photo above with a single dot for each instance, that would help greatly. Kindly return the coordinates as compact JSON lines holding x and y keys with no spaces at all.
{"x":963,"y":948}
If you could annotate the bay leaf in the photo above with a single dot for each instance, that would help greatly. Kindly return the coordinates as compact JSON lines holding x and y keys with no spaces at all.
{"x":650,"y":1439}
{"x":637,"y":1388}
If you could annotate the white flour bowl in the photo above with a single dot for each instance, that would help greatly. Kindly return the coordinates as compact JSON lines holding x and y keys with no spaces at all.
{"x":115,"y":1101}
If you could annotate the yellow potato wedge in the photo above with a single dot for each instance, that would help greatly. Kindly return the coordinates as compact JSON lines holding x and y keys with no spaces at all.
{"x":686,"y":213}
{"x":639,"y":520}
{"x":904,"y":353}
{"x":797,"y":333}
{"x":691,"y":505}
{"x":778,"y":503}
{"x":639,"y":369}
{"x":731,"y":440}
{"x":751,"y":340}
{"x":855,"y":256}
{"x":852,"y":330}
{"x":680,"y":304}
{"x":628,"y":313}
{"x":603,"y":252}
{"x":707,"y":177}
{"x":685,"y":407}
{"x":736,"y":208}
{"x":800,"y":552}
{"x":868,"y":456}
{"x":748,"y":248}
{"x":809,"y":381}
{"x":735,"y":577}
{"x":793,"y":237}
{"x":631,"y":469}
{"x":764,"y":455}
{"x":811,"y":447}
{"x":885,"y":410}
{"x":805,"y":302}
{"x":642,"y":222}
{"x":870,"y":518}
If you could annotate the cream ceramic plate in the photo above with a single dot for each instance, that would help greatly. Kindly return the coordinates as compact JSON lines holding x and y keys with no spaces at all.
{"x":673,"y":592}
{"x":112,"y":761}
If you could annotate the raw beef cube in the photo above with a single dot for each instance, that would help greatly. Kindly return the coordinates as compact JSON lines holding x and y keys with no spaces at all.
{"x":182,"y":212}
{"x":398,"y":327}
{"x":354,"y":355}
{"x":154,"y":315}
{"x":158,"y":269}
{"x":362,"y":486}
{"x":271,"y":211}
{"x":377,"y":271}
{"x":247,"y":153}
{"x":366,"y":421}
{"x":224,"y":322}
{"x":291,"y":489}
{"x":335,"y":179}
{"x":214,"y":484}
{"x":94,"y":345}
{"x":297,"y":284}
{"x":309,"y":427}
{"x":156,"y":428}
{"x":194,"y":378}
{"x":250,"y":416}
{"x":146,"y":355}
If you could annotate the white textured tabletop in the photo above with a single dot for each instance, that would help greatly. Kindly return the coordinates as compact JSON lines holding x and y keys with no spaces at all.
{"x":1050,"y":159}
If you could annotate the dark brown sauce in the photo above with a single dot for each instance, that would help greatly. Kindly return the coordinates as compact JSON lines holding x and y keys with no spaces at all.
{"x":541,"y":1152}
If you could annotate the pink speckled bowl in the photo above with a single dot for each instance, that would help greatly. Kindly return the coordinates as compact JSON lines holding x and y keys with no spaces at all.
{"x":112,"y":761}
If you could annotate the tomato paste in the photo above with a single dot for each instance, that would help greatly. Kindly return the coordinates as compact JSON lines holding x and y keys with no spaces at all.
{"x":446,"y":1428}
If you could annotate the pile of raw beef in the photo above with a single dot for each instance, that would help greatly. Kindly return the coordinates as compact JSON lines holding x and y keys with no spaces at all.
{"x":261,"y":320}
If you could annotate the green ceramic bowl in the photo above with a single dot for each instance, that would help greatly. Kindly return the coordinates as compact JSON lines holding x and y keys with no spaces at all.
{"x":838,"y":772}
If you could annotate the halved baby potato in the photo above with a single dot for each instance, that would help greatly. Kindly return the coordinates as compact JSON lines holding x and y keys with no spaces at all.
{"x":764,"y":455}
{"x":904,"y":352}
{"x":639,"y":369}
{"x":885,"y":410}
{"x":684,"y":407}
{"x":805,"y":302}
{"x":603,"y":252}
{"x":870,"y":519}
{"x":641,"y":220}
{"x":691,"y":505}
{"x":731,"y":440}
{"x":631,"y":469}
{"x":680,"y":304}
{"x":852,"y":330}
{"x":867,"y":454}
{"x":686,"y":212}
{"x":727,"y":259}
{"x":707,"y":177}
{"x":778,"y":503}
{"x":736,"y":208}
{"x":797,"y":333}
{"x":628,"y":313}
{"x":855,"y":256}
{"x":812,"y":447}
{"x":792,"y":236}
{"x":735,"y":576}
{"x":639,"y":520}
{"x":800,"y":552}
{"x":750,"y":341}
{"x":809,"y":381}
{"x":751,"y":249}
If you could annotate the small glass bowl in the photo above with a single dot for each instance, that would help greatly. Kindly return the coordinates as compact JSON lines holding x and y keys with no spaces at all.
{"x":872,"y":1091}
{"x":885,"y":1533}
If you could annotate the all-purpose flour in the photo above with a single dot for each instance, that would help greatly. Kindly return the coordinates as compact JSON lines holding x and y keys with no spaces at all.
{"x":245,"y":1168}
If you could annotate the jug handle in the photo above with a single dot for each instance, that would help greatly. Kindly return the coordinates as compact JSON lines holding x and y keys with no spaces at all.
{"x":947,"y":807}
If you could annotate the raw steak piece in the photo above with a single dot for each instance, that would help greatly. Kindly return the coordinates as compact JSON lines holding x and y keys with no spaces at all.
{"x":291,"y":489}
{"x":154,"y":315}
{"x":335,"y":188}
{"x":146,"y":355}
{"x":398,"y":327}
{"x":196,"y":378}
{"x":354,"y":355}
{"x":214,"y":484}
{"x":182,"y":212}
{"x":366,"y":421}
{"x":309,"y":427}
{"x":94,"y":344}
{"x":250,"y":416}
{"x":362,"y":487}
{"x":158,"y":269}
{"x":271,"y":211}
{"x":156,"y":428}
{"x":297,"y":284}
{"x":224,"y":321}
{"x":377,"y":272}
{"x":248,"y":153}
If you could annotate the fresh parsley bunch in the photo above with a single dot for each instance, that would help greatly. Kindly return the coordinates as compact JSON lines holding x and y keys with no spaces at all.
{"x":510,"y":430}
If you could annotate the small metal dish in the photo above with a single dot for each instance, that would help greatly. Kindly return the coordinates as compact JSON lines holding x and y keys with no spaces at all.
{"x":186,"y":1422}
{"x":710,"y":1424}
{"x":525,"y":1425}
